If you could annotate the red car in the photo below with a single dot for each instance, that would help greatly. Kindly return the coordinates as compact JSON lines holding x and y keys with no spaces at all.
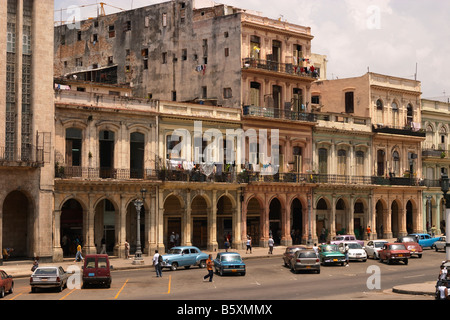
{"x":394,"y":252}
{"x":412,"y":245}
{"x":6,"y":284}
{"x":97,"y":270}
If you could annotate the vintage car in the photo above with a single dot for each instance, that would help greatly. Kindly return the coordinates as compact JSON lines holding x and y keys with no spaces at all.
{"x":440,"y":244}
{"x":330,"y":254}
{"x":411,"y":244}
{"x":229,"y":263}
{"x":394,"y":252}
{"x":49,"y":277}
{"x":184,"y":256}
{"x":373,"y":247}
{"x":425,"y":240}
{"x":6,"y":284}
{"x":345,"y":238}
{"x":289,"y":253}
{"x":305,"y":260}
{"x":355,"y":251}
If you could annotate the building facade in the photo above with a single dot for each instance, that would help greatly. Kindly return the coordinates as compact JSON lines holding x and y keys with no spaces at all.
{"x":27,"y":122}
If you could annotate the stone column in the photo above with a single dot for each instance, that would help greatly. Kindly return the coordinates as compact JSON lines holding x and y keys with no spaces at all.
{"x":351,"y":216}
{"x":152,"y":243}
{"x":333,"y":217}
{"x":212,"y":224}
{"x":89,"y":226}
{"x":286,"y":238}
{"x":122,"y":227}
{"x":160,"y":222}
{"x":58,"y":254}
{"x":237,"y":222}
{"x":186,"y":221}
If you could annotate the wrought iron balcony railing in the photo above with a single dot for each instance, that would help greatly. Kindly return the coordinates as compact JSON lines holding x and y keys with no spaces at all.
{"x":274,"y":66}
{"x":275,"y":113}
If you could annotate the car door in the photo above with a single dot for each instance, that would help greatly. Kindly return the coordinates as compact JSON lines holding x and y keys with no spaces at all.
{"x":185,"y":259}
{"x":369,"y":248}
{"x":62,"y":275}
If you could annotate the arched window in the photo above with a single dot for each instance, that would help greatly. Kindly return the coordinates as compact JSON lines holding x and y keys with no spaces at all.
{"x":73,"y":147}
{"x":443,"y":138}
{"x":410,"y":115}
{"x":342,"y":162}
{"x":380,"y":112}
{"x":360,"y":163}
{"x":395,"y":116}
{"x":137,"y":148}
{"x":323,"y":161}
{"x":396,"y":163}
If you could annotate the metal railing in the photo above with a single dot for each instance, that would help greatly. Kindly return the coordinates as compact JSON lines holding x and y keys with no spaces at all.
{"x":104,"y":173}
{"x":28,"y":154}
{"x":274,"y":66}
{"x":406,"y":130}
{"x":276,"y":113}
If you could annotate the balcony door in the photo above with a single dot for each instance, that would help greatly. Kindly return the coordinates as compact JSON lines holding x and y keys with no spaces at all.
{"x":106,"y":154}
{"x":276,"y":94}
{"x":73,"y":147}
{"x":380,"y":162}
{"x":137,"y":147}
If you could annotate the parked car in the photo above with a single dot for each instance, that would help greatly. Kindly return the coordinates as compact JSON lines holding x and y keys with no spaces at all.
{"x":229,"y":263}
{"x":347,"y":238}
{"x":97,"y":270}
{"x":411,"y":244}
{"x":394,"y":252}
{"x":184,"y":257}
{"x":425,"y":240}
{"x":330,"y":254}
{"x":440,"y":244}
{"x":6,"y":284}
{"x":373,"y":247}
{"x":48,"y":277}
{"x":355,"y":251}
{"x":306,"y":260}
{"x":289,"y":254}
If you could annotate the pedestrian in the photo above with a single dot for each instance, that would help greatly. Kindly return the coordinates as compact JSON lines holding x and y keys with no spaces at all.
{"x":433,"y":231}
{"x":443,"y":273}
{"x":346,"y":254}
{"x":227,"y":244}
{"x":103,"y":246}
{"x":443,"y":290}
{"x":369,"y":231}
{"x":157,"y":262}
{"x":316,"y":249}
{"x":249,"y":244}
{"x":209,"y":267}
{"x":127,"y":250}
{"x":271,"y":243}
{"x":79,"y":257}
{"x":177,"y":239}
{"x":172,"y":240}
{"x":35,"y":264}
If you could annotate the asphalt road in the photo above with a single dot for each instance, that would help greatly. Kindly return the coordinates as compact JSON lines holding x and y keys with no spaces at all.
{"x":266,"y":279}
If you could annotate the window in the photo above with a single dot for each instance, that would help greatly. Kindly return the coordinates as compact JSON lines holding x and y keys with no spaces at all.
{"x":227,"y":52}
{"x":204,"y":92}
{"x":315,"y":99}
{"x":297,"y":55}
{"x":63,"y":39}
{"x":147,"y":22}
{"x":184,"y":55}
{"x":349,"y":102}
{"x":396,"y":163}
{"x":95,"y":38}
{"x":164,"y":19}
{"x":73,"y":147}
{"x":255,"y":47}
{"x":342,"y":162}
{"x":225,"y":34}
{"x":323,"y":161}
{"x":410,"y":115}
{"x":395,"y":114}
{"x":164,"y":58}
{"x":11,"y":38}
{"x":360,"y":163}
{"x":79,"y":62}
{"x":227,"y":93}
{"x":79,"y":36}
{"x":127,"y":26}
{"x":112,"y":31}
{"x":110,"y":60}
{"x":174,"y":96}
{"x":26,"y":40}
{"x":255,"y":89}
{"x":380,"y":112}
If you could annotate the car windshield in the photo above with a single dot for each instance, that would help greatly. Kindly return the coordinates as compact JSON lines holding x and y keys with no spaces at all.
{"x":175,"y":251}
{"x":354,"y":246}
{"x":307,"y":254}
{"x":339,"y":238}
{"x":233,"y":257}
{"x":408,"y":239}
{"x":45,"y":272}
{"x":397,"y":247}
{"x":379,"y":244}
{"x":330,"y":248}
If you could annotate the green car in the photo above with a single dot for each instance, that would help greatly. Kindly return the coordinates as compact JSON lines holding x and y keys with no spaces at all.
{"x":330,"y":254}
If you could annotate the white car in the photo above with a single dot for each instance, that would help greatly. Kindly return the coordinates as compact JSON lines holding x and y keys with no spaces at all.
{"x":440,"y":244}
{"x":355,"y":251}
{"x":373,"y":247}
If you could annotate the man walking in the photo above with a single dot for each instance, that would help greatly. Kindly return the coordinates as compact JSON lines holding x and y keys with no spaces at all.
{"x":271,"y":243}
{"x":209,"y":267}
{"x":157,"y":260}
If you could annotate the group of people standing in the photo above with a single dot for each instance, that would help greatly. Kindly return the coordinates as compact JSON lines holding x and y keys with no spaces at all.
{"x":442,"y":292}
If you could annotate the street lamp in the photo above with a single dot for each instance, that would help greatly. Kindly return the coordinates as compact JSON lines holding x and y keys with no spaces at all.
{"x":445,"y":188}
{"x":138,"y":203}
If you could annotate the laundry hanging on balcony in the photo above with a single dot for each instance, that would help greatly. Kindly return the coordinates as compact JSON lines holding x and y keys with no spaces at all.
{"x":201,"y":68}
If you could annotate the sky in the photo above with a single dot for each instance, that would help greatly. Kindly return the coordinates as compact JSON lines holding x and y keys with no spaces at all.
{"x":392,"y":37}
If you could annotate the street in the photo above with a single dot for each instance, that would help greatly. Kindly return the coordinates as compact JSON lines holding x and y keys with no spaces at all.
{"x":266,"y":279}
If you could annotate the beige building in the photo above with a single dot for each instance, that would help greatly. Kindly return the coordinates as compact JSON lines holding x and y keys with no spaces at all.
{"x":27,"y":128}
{"x":394,"y":106}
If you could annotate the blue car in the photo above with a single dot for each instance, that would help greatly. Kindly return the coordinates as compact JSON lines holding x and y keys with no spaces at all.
{"x":184,"y":257}
{"x":229,"y":263}
{"x":425,"y":240}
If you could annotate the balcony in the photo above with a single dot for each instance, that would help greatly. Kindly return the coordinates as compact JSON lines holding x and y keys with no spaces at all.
{"x":437,"y":154}
{"x":275,"y":113}
{"x":280,"y":68}
{"x":393,"y":181}
{"x":104,"y":173}
{"x":29,"y":157}
{"x":405,"y":131}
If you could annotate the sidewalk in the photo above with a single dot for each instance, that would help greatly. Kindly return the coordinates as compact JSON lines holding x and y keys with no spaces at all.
{"x":22,"y":269}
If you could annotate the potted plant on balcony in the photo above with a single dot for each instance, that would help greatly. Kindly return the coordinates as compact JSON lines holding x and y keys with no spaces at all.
{"x":443,"y":155}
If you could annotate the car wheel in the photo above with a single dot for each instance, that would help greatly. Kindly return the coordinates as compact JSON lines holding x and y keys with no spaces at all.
{"x":174,"y":266}
{"x":2,"y":293}
{"x":221,"y":272}
{"x":61,"y":287}
{"x":11,"y":291}
{"x":436,"y":248}
{"x":318,"y":271}
{"x":243,"y":274}
{"x":420,"y":256}
{"x":405,"y":261}
{"x":202,"y":264}
{"x":33,"y":290}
